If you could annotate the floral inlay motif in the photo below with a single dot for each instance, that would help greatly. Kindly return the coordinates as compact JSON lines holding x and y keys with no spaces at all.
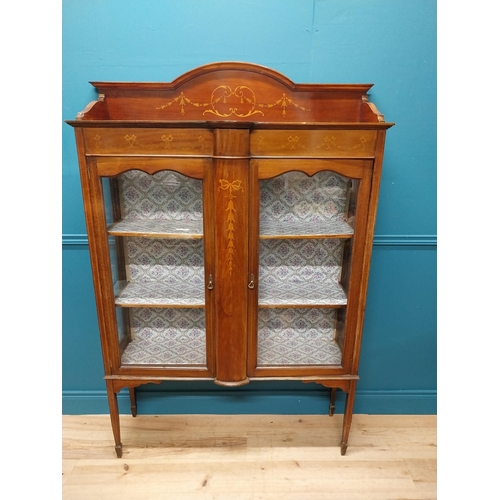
{"x":284,"y":101}
{"x":330,"y":143}
{"x":131,"y":140}
{"x":226,"y":101}
{"x":292,"y":142}
{"x":167,"y":140}
{"x":242,"y":95}
{"x":182,"y":100}
{"x":225,"y":185}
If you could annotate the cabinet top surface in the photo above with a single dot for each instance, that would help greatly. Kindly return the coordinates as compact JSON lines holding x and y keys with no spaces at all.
{"x":231,"y":93}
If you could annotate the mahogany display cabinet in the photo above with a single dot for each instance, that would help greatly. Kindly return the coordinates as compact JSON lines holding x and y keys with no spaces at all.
{"x":230,"y":218}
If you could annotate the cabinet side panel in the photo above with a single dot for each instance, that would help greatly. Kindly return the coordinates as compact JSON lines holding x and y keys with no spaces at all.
{"x":93,"y":250}
{"x":370,"y":230}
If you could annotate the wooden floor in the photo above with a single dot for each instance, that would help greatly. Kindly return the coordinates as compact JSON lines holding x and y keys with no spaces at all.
{"x":251,"y":457}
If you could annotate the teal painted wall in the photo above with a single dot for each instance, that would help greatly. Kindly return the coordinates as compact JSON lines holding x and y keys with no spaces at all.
{"x":386,"y":42}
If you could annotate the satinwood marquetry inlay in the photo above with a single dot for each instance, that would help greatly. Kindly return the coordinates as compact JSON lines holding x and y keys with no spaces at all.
{"x":182,"y":100}
{"x":167,"y":140}
{"x":225,"y":185}
{"x":292,"y":142}
{"x":240,"y":102}
{"x":131,"y":140}
{"x":330,"y":143}
{"x":283,"y":102}
{"x":150,"y":141}
{"x":314,"y":143}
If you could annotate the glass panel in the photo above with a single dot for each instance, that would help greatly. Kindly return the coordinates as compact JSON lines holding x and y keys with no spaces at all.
{"x":166,"y":203}
{"x":162,"y":272}
{"x":296,"y":204}
{"x":166,"y":337}
{"x":306,"y":229}
{"x":298,"y":337}
{"x":157,"y":258}
{"x":301,"y":272}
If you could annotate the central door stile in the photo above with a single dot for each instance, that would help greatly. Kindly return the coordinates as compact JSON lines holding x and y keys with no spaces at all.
{"x":231,"y":192}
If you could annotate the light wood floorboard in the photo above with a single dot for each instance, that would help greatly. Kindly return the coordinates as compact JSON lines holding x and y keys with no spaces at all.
{"x":254,"y":457}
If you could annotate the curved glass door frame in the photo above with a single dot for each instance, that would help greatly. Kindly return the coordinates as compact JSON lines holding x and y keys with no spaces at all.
{"x":155,"y":235}
{"x":308,"y":215}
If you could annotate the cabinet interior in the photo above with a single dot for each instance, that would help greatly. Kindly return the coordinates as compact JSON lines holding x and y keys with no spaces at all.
{"x":157,"y":247}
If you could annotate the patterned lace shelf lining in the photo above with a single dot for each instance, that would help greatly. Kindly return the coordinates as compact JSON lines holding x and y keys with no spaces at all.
{"x":277,"y":347}
{"x":297,"y":337}
{"x":182,"y":294}
{"x":167,"y":337}
{"x":194,"y":228}
{"x":167,"y":348}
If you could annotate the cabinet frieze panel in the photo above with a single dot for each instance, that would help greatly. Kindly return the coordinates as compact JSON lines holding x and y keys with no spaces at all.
{"x":226,"y":102}
{"x":148,"y":141}
{"x":314,"y":143}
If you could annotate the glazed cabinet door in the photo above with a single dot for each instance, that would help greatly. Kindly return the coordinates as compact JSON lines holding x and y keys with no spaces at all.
{"x":308,"y":242}
{"x":158,"y":266}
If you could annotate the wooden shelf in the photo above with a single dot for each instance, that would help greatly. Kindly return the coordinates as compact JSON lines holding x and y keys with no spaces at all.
{"x":301,"y":293}
{"x":158,"y":228}
{"x":307,"y":229}
{"x":171,"y":293}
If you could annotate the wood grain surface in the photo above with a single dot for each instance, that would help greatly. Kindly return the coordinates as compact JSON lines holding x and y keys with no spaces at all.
{"x":253,"y":457}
